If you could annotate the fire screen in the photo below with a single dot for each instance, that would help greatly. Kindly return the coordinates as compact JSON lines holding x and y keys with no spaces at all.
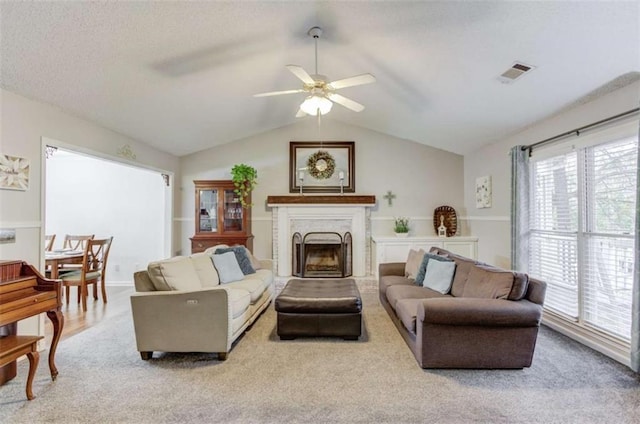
{"x":322,"y":254}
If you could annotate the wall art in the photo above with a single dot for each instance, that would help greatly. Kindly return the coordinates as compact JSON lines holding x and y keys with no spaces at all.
{"x":322,"y":166}
{"x":483,"y":192}
{"x":14,"y":173}
{"x":7,"y":235}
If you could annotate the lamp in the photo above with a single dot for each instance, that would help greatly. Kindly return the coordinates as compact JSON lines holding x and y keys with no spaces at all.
{"x":314,"y":102}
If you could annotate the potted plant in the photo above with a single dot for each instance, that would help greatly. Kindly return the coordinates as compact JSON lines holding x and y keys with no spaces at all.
{"x":244,"y":179}
{"x":401,"y":226}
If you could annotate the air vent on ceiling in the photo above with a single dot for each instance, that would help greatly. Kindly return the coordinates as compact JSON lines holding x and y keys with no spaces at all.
{"x":516,"y":71}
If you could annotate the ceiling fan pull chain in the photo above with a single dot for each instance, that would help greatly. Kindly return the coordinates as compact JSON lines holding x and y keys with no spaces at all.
{"x":316,"y":38}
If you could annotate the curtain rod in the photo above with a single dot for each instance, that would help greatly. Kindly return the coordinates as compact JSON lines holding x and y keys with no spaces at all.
{"x":577,"y":130}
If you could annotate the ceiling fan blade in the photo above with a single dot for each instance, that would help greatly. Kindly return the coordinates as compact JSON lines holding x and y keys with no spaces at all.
{"x":300,"y":113}
{"x":277,"y":93}
{"x":348,"y":103}
{"x":301,"y":74}
{"x":351,"y":81}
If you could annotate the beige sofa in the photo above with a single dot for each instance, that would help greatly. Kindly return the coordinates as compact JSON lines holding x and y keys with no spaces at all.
{"x":180,"y":305}
{"x":488,"y":319}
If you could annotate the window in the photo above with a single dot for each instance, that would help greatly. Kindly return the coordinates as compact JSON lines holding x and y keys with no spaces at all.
{"x":582,"y":222}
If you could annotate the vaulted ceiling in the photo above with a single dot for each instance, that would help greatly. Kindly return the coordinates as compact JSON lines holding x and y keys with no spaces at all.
{"x":180,"y":75}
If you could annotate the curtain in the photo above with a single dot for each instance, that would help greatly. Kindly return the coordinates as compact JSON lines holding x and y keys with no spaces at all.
{"x":519,"y":208}
{"x":635,"y":307}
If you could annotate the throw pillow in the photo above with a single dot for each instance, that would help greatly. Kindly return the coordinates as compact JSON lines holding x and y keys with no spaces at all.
{"x":423,"y":266}
{"x":176,"y":273}
{"x":206,"y":271}
{"x":211,"y":250}
{"x":488,"y":283}
{"x":413,"y":263}
{"x":227,"y":266}
{"x":241,"y":257}
{"x":520,"y":285}
{"x":255,"y":263}
{"x":439,"y":276}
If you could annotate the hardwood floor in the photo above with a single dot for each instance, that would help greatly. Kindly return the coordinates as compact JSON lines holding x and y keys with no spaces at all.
{"x":76,"y":321}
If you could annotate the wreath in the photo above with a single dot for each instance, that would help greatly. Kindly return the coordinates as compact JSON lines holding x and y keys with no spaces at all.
{"x":321,"y":165}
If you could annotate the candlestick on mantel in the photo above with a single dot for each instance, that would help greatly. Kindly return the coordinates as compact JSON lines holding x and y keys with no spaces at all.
{"x":341,"y":175}
{"x":301,"y":177}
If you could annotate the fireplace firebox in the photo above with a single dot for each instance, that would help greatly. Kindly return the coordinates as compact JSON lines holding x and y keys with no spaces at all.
{"x":322,"y":254}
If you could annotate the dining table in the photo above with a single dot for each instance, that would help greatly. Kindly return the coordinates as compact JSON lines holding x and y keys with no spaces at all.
{"x":54,"y":259}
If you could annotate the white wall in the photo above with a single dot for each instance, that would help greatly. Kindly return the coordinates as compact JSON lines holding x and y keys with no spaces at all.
{"x":422,"y":177}
{"x":23,"y":122}
{"x":87,"y":195}
{"x":492,"y":225}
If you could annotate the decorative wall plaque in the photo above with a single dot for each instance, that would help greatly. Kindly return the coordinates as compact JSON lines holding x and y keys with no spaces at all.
{"x":14,"y":173}
{"x":445,"y":215}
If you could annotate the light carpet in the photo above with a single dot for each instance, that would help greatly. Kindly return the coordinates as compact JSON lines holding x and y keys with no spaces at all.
{"x":320,"y":380}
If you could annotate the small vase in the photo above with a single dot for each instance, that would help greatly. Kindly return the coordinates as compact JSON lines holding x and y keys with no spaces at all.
{"x":402,"y":234}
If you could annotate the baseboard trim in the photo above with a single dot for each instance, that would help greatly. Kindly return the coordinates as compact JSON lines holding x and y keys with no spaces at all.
{"x":119,"y":283}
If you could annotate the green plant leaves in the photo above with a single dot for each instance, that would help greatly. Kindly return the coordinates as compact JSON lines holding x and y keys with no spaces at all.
{"x":244,"y":178}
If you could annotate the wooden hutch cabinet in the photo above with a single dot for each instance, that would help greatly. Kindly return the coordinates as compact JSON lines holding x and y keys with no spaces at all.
{"x":220,"y":217}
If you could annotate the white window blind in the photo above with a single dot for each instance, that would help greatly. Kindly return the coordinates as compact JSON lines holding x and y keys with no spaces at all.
{"x":610,"y":179}
{"x":581,"y":220}
{"x":553,"y":246}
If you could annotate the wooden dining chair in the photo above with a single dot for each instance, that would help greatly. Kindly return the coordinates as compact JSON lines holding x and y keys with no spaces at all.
{"x":49,"y":239}
{"x":94,"y":265}
{"x":48,"y":242}
{"x":76,"y":242}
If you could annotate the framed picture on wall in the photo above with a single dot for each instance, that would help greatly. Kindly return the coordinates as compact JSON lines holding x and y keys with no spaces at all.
{"x":322,"y":166}
{"x":483,"y":192}
{"x":14,"y":173}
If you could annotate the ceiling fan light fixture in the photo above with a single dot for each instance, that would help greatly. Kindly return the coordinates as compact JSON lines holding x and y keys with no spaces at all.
{"x":320,"y":90}
{"x":313,"y":103}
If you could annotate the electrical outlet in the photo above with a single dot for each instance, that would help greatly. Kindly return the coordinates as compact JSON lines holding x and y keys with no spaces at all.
{"x":117,"y":268}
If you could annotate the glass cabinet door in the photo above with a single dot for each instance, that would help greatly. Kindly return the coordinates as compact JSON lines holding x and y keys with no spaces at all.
{"x":219,"y":216}
{"x":233,"y":211}
{"x":208,"y":210}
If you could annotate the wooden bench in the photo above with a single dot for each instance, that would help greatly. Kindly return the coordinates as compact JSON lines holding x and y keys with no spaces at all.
{"x":13,"y":347}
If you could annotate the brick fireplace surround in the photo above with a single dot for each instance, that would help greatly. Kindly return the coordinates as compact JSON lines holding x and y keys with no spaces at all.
{"x":306,"y":213}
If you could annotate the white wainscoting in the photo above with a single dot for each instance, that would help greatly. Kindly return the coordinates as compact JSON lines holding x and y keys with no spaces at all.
{"x":396,"y":249}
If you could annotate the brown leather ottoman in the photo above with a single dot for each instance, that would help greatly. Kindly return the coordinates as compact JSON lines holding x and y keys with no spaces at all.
{"x":319,"y":308}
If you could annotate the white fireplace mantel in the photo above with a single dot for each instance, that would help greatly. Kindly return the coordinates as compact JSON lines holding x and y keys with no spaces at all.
{"x":303,"y":214}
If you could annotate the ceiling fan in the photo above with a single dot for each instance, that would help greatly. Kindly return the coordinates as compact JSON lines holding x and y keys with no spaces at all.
{"x":321,"y":92}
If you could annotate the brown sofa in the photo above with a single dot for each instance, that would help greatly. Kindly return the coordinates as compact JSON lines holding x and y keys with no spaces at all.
{"x":489,"y":319}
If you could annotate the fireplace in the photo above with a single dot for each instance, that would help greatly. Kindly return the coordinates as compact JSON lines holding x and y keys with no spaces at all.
{"x":321,"y":213}
{"x":321,"y":254}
